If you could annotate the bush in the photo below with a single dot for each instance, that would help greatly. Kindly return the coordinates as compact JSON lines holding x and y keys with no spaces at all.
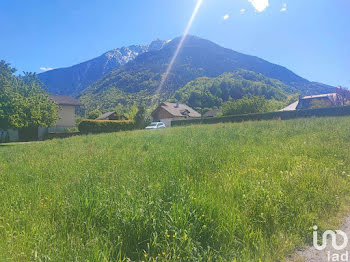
{"x":94,"y":114}
{"x":105,"y":126}
{"x":282,"y":115}
{"x":246,"y":105}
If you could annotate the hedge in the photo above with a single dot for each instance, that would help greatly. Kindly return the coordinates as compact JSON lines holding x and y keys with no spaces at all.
{"x":61,"y":135}
{"x":281,"y":115}
{"x":105,"y":126}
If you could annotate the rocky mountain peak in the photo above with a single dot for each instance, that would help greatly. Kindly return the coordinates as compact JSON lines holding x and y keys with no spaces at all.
{"x":157,"y":45}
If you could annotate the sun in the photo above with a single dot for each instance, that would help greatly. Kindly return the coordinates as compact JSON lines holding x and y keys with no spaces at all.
{"x":260,"y":5}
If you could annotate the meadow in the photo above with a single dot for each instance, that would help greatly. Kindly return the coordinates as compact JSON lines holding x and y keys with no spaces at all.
{"x":226,"y":192}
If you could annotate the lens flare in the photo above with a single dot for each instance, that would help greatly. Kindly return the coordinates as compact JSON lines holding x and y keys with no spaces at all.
{"x":178,"y":49}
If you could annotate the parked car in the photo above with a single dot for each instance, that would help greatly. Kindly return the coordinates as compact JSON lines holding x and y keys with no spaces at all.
{"x":156,"y":125}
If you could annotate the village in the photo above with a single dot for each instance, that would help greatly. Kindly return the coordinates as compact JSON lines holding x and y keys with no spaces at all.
{"x":165,"y":113}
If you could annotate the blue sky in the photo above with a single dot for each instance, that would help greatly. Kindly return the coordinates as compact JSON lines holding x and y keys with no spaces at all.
{"x":310,"y":37}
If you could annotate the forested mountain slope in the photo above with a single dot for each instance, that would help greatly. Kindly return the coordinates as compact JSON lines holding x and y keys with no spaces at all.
{"x":138,"y":81}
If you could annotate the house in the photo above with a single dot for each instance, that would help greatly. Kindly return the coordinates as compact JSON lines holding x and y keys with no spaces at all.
{"x":307,"y":102}
{"x":111,"y":116}
{"x":66,"y":119}
{"x":212,"y":113}
{"x":329,"y":100}
{"x":66,"y":113}
{"x":166,"y":112}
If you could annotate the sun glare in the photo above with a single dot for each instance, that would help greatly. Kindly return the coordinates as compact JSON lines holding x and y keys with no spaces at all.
{"x":178,"y":49}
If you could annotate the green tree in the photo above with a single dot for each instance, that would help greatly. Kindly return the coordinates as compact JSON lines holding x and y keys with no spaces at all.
{"x":344,"y":93}
{"x":208,"y":93}
{"x":6,"y":81}
{"x":94,"y":114}
{"x":133,"y":111}
{"x":23,"y":101}
{"x":142,"y":119}
{"x":246,"y":105}
{"x":119,"y":110}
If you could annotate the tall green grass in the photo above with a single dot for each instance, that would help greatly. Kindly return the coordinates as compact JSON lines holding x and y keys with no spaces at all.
{"x":227,"y":192}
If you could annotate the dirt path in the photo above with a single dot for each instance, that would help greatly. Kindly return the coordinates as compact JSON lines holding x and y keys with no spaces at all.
{"x":310,"y":254}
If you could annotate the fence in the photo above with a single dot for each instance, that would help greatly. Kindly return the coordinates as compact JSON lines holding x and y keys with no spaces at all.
{"x":4,"y":136}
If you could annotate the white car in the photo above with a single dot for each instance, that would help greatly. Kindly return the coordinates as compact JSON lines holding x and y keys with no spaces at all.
{"x":156,"y":125}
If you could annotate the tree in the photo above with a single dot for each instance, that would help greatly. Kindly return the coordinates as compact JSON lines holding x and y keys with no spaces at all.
{"x":248,"y":105}
{"x":142,"y":119}
{"x":119,"y":110}
{"x":6,"y":79}
{"x":344,"y":93}
{"x":23,"y":101}
{"x":133,"y":111}
{"x":94,"y":114}
{"x":208,"y":93}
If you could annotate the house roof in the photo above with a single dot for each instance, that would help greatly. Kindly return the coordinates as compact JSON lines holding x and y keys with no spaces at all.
{"x":212,"y":113}
{"x":179,"y":110}
{"x":105,"y":115}
{"x":291,"y":107}
{"x":333,"y":95}
{"x":65,"y":100}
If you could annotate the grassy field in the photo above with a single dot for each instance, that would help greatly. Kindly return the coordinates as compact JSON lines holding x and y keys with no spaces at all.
{"x":227,"y":192}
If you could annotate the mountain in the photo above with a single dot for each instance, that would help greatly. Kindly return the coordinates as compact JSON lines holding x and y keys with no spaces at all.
{"x":73,"y":80}
{"x":138,"y":80}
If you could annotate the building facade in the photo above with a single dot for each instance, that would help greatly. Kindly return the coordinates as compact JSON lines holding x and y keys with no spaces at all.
{"x":66,"y":113}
